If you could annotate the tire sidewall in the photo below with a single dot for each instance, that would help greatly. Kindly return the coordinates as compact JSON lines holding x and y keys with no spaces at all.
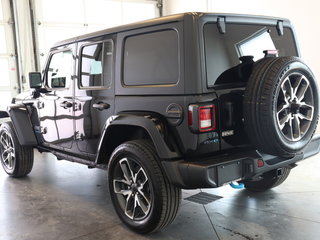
{"x":287,"y":69}
{"x":150,"y":221}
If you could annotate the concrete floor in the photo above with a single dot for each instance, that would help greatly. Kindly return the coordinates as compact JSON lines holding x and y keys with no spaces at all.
{"x":62,"y":200}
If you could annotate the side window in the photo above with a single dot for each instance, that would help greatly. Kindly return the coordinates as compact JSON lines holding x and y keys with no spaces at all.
{"x":60,"y":70}
{"x":151,"y":59}
{"x":96,"y":65}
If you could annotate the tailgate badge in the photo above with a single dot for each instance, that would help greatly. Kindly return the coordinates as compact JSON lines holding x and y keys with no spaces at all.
{"x":227,"y":133}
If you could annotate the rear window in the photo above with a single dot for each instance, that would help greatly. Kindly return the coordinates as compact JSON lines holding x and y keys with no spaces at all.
{"x":151,"y":59}
{"x":222,"y":51}
{"x":96,"y":65}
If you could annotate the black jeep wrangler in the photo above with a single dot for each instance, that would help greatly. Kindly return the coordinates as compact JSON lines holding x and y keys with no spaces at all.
{"x":194,"y":100}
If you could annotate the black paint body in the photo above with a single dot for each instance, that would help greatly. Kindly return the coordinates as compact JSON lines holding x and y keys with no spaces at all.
{"x":85,"y":123}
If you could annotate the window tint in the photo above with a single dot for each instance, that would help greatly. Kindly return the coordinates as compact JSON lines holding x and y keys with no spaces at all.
{"x":96,"y":65}
{"x":151,"y":59}
{"x":60,"y":70}
{"x":222,"y":51}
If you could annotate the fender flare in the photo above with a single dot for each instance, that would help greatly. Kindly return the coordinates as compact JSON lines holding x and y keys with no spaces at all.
{"x":4,"y":114}
{"x":19,"y":116}
{"x":143,"y":122}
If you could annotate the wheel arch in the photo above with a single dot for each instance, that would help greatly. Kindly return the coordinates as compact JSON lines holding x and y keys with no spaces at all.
{"x":22,"y":124}
{"x":126,"y":127}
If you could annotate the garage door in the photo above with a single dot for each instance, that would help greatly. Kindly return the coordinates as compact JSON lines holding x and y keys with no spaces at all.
{"x":8,"y":71}
{"x":61,"y":19}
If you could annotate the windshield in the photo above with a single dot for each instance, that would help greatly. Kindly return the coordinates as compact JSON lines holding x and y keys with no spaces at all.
{"x":222,"y":51}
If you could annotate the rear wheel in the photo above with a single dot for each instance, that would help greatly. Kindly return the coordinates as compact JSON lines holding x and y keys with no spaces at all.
{"x":143,"y":197}
{"x":16,"y":160}
{"x":268,"y":180}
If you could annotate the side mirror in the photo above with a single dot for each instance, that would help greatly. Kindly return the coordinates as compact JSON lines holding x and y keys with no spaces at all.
{"x":35,"y":80}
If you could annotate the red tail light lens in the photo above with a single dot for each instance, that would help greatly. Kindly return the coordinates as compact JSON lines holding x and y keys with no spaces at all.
{"x":206,"y":118}
{"x":201,"y":118}
{"x":190,"y":122}
{"x":260,"y":163}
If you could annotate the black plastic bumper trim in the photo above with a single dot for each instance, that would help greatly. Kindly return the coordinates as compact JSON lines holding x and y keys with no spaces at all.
{"x":221,"y":169}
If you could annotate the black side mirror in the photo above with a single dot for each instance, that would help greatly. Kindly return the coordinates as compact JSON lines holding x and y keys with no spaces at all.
{"x":35,"y":80}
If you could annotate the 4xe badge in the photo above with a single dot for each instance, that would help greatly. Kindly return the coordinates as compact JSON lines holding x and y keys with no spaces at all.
{"x":227,"y":133}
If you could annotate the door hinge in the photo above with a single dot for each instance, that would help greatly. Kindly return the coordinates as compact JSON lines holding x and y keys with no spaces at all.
{"x":280,"y":27}
{"x":78,"y":136}
{"x":43,"y":130}
{"x":221,"y":23}
{"x":40,"y":105}
{"x":76,"y":106}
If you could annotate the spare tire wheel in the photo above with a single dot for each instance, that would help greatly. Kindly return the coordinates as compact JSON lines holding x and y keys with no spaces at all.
{"x":281,"y":106}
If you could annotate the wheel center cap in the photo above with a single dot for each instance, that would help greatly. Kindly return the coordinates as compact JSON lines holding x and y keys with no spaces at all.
{"x":294,"y":108}
{"x":134,"y":188}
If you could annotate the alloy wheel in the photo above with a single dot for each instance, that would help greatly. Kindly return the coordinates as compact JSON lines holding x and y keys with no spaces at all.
{"x":7,"y":150}
{"x":295,"y":106}
{"x":132,"y":187}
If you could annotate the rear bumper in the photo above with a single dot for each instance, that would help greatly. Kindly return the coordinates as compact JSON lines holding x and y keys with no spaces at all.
{"x":234,"y":166}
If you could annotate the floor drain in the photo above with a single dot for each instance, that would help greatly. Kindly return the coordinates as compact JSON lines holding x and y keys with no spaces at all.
{"x":203,"y":198}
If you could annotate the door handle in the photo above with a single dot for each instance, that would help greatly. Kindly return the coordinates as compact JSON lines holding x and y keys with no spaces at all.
{"x":66,"y":104}
{"x":101,"y":106}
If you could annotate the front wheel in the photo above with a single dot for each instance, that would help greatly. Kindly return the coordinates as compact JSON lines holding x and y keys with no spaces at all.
{"x":16,"y":160}
{"x":142,"y":196}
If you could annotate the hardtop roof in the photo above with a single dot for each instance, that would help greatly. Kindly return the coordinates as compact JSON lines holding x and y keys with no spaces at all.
{"x":243,"y":18}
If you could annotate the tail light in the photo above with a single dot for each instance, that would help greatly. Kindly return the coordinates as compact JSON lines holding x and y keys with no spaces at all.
{"x":206,"y":118}
{"x":260,"y":163}
{"x":190,"y":116}
{"x":202,"y":118}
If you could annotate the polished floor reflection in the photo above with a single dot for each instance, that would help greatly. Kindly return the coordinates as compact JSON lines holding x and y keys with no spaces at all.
{"x":63,"y":200}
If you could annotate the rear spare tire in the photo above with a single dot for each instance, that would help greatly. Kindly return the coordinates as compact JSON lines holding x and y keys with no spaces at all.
{"x":281,"y":106}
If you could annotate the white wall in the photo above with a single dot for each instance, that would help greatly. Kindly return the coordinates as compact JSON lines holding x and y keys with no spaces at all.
{"x":305,"y":15}
{"x":25,"y":38}
{"x":87,"y":19}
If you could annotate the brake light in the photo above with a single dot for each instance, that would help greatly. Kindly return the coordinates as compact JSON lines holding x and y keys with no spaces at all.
{"x":190,"y":122}
{"x":260,"y":163}
{"x":206,"y":118}
{"x":201,"y":118}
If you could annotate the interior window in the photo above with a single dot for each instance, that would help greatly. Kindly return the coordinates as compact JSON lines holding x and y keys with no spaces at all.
{"x":255,"y":44}
{"x":60,"y":70}
{"x":96,"y":65}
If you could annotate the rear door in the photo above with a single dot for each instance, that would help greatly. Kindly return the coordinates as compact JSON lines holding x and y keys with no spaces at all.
{"x":94,"y":93}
